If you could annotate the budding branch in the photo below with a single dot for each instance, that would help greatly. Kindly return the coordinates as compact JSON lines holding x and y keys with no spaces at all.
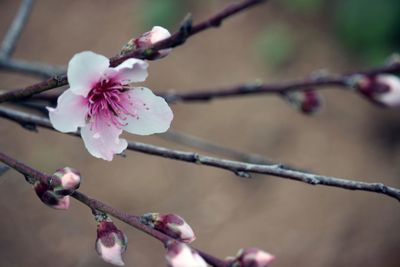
{"x":95,"y":204}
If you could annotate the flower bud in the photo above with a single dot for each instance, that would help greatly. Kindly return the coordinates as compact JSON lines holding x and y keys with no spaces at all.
{"x":383,"y":89}
{"x":50,"y":198}
{"x":170,"y":224}
{"x":111,"y":242}
{"x":148,"y":39}
{"x":251,"y":257}
{"x":181,"y":255}
{"x":308,"y":102}
{"x":69,"y":181}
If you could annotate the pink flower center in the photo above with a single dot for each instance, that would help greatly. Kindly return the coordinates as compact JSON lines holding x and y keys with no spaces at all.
{"x":109,"y":102}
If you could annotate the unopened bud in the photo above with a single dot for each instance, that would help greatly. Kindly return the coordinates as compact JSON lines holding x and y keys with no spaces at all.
{"x":147,"y":40}
{"x":111,"y":242}
{"x":181,"y":255}
{"x":69,"y":181}
{"x":251,"y":257}
{"x":383,"y":89}
{"x":170,"y":224}
{"x":308,"y":102}
{"x":50,"y":198}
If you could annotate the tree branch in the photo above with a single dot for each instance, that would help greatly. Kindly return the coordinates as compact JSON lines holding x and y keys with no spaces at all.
{"x":94,"y":204}
{"x":32,"y":68}
{"x":242,"y":169}
{"x":174,"y":40}
{"x":10,"y":40}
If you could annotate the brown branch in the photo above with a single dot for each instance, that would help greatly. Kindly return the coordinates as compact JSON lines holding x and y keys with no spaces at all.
{"x":10,"y":40}
{"x":175,"y":40}
{"x":316,"y":83}
{"x":94,"y":204}
{"x":322,"y":82}
{"x":242,"y":169}
{"x":31,"y":68}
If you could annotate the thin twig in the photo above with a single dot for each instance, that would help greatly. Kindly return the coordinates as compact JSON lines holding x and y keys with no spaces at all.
{"x":242,"y":169}
{"x":322,"y":82}
{"x":32,"y":68}
{"x":94,"y":204}
{"x":207,"y":146}
{"x":174,"y":40}
{"x":255,"y":88}
{"x":10,"y":40}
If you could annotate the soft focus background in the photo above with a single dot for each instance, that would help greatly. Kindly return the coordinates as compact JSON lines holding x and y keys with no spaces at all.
{"x":279,"y":41}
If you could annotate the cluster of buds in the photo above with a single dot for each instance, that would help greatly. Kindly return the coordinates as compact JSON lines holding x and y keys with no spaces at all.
{"x":307,"y":102}
{"x":171,"y":225}
{"x":382,"y":89}
{"x":111,"y":242}
{"x":181,"y":255}
{"x":147,"y":40}
{"x":251,"y":257}
{"x":55,"y":193}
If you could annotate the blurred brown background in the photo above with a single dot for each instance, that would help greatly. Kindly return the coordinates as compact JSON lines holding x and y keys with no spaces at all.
{"x":302,"y":225}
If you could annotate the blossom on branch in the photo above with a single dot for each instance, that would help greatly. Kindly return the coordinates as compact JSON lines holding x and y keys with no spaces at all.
{"x":51,"y":198}
{"x":181,"y":255}
{"x":170,"y":224}
{"x":69,"y":180}
{"x":102,"y":102}
{"x":111,"y":242}
{"x":147,"y":40}
{"x":383,"y":89}
{"x":251,"y":257}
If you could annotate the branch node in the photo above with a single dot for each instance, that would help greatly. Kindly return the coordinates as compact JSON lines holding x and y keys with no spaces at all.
{"x":243,"y":174}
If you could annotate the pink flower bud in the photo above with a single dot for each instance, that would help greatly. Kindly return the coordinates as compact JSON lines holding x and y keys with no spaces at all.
{"x":70,"y":180}
{"x":50,"y":198}
{"x":252,"y":257}
{"x":383,"y":89}
{"x":181,"y":255}
{"x":148,"y":39}
{"x":308,"y":102}
{"x":170,"y":224}
{"x":111,"y":243}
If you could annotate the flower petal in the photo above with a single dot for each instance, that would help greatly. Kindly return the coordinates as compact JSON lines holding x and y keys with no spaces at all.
{"x":70,"y":112}
{"x":85,"y":70}
{"x":102,"y":140}
{"x":151,"y":113}
{"x":132,"y":70}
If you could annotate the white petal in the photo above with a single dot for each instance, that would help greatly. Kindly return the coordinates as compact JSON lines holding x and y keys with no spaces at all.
{"x":185,"y":258}
{"x":70,"y":112}
{"x":158,"y":34}
{"x":152,"y":113}
{"x":110,"y":254}
{"x":84,"y":70}
{"x":132,"y":70}
{"x":102,"y":140}
{"x":391,"y":98}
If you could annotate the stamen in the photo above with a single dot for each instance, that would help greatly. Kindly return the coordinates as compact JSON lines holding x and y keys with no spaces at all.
{"x":108,"y":101}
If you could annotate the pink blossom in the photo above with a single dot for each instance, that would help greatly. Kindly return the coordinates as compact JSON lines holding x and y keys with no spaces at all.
{"x":170,"y":224}
{"x":51,"y":198}
{"x":102,"y":103}
{"x":181,"y":255}
{"x":383,"y":89}
{"x":147,"y":40}
{"x":69,"y":180}
{"x":252,"y":257}
{"x":111,"y":243}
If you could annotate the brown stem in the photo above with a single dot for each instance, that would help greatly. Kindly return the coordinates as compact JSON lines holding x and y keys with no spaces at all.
{"x":242,"y":169}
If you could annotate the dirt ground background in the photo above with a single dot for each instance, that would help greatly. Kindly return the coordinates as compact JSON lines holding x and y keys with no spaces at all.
{"x":301,"y":224}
